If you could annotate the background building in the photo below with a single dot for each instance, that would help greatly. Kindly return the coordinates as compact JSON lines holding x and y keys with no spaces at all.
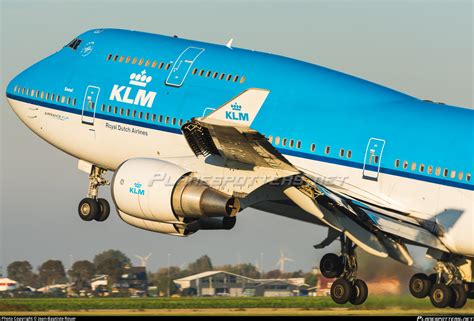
{"x":212,"y":283}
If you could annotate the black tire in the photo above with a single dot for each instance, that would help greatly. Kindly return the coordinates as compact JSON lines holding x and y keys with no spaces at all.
{"x":459,"y":296}
{"x":441,"y":295}
{"x":88,"y":209}
{"x":331,"y":265}
{"x":360,"y":292}
{"x":341,"y":291}
{"x":104,"y":210}
{"x":420,"y":285}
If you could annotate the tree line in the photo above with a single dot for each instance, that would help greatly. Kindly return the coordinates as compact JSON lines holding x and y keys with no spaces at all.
{"x":113,"y":263}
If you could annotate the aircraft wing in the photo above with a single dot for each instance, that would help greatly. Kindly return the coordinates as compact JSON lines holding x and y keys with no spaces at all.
{"x":379,"y":229}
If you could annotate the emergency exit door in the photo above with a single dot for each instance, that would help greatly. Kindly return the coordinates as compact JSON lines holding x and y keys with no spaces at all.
{"x":182,"y":65}
{"x":89,"y":104}
{"x":373,"y":159}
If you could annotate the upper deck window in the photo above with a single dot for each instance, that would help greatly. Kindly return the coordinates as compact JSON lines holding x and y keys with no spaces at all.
{"x":74,"y":43}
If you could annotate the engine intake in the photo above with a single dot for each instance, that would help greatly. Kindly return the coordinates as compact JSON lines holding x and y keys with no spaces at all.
{"x":156,"y":190}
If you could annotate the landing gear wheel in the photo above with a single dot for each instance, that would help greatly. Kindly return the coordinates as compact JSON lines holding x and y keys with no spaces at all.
{"x":341,"y":291}
{"x":104,"y":210}
{"x":459,"y":296}
{"x":360,"y":292}
{"x":441,"y":295}
{"x":331,"y":265}
{"x":88,"y":209}
{"x":420,"y":285}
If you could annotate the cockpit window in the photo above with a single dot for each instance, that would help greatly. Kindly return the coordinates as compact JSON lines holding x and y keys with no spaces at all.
{"x":74,"y":43}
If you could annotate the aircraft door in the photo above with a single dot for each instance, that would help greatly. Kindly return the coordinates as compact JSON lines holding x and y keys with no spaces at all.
{"x":89,"y":105}
{"x":182,"y":65}
{"x":373,"y":159}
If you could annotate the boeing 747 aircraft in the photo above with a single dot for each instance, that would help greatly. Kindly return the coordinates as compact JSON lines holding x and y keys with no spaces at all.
{"x":196,"y":132}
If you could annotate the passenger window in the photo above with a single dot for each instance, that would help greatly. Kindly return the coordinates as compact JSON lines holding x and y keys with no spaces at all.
{"x":460,"y":176}
{"x":134,"y":60}
{"x":167,"y":66}
{"x":73,"y":101}
{"x":292,"y":142}
{"x":349,"y":154}
{"x":468,"y":177}
{"x":270,"y":139}
{"x":63,"y":99}
{"x":445,"y":172}
{"x":328,"y":149}
{"x":413,"y":166}
{"x":147,"y":63}
{"x":422,"y":168}
{"x":128,"y":112}
{"x":277,"y":140}
{"x":140,"y":114}
{"x":121,"y":59}
{"x":405,"y":165}
{"x":298,"y":144}
{"x":153,"y":65}
{"x":180,"y":123}
{"x":47,"y":96}
{"x":160,"y":119}
{"x":208,"y":74}
{"x":438,"y":171}
{"x":140,"y":62}
{"x":109,"y":56}
{"x":201,"y":72}
{"x":161,"y":65}
{"x":430,"y":170}
{"x":242,"y":79}
{"x":153,"y":117}
{"x":115,"y":109}
{"x":397,"y":163}
{"x":167,"y":119}
{"x":215,"y":75}
{"x":283,"y":142}
{"x":313,"y":147}
{"x":173,"y":121}
{"x":127,"y":60}
{"x":341,"y":152}
{"x":453,"y":174}
{"x":147,"y":116}
{"x":42,"y":95}
{"x":15,"y":89}
{"x":228,"y":77}
{"x":115,"y":57}
{"x":194,"y":71}
{"x":222,"y":76}
{"x":121,"y":111}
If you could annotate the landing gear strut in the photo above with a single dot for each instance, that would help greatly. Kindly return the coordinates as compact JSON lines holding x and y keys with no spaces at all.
{"x":346,"y":288}
{"x":445,"y":287}
{"x":92,"y":207}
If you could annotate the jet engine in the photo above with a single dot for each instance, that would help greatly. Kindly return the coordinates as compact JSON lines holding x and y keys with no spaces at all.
{"x":154,"y":190}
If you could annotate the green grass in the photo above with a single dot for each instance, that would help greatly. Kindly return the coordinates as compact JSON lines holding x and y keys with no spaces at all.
{"x":302,"y":303}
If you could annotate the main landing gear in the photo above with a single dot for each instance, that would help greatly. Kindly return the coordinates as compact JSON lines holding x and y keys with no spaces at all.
{"x":346,"y":288}
{"x":92,"y":207}
{"x":445,"y":287}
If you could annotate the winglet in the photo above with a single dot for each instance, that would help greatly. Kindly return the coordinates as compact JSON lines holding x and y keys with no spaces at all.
{"x":242,"y":109}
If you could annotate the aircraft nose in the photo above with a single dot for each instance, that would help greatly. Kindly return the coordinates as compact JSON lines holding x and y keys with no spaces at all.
{"x":20,"y":96}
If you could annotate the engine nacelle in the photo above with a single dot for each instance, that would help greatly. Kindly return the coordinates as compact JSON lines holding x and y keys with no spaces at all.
{"x":160,"y":191}
{"x":204,"y":223}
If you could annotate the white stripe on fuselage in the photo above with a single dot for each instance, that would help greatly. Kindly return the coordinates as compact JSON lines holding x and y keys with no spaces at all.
{"x":109,"y":143}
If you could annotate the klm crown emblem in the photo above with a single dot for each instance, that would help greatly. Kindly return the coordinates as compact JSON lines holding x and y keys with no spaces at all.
{"x":236,"y":107}
{"x":140,"y":79}
{"x":138,"y":185}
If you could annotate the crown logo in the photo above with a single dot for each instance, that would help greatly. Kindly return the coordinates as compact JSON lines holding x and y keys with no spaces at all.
{"x":140,"y":79}
{"x":236,"y":107}
{"x":138,"y":185}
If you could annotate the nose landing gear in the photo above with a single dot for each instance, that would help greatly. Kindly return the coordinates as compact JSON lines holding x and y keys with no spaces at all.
{"x":346,"y":288}
{"x":92,"y":207}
